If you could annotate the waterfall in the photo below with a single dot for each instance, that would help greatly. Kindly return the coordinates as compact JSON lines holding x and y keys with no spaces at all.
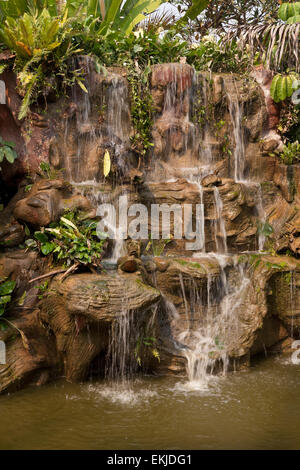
{"x":98,"y":120}
{"x":220,"y":230}
{"x":209,"y":338}
{"x":205,"y":148}
{"x":236,"y":111}
{"x":120,"y":361}
{"x":262,"y":218}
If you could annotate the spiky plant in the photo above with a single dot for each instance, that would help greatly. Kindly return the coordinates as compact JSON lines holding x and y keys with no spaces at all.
{"x":275,"y":44}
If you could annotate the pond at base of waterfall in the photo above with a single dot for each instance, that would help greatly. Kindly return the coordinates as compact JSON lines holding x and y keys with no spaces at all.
{"x":255,"y":409}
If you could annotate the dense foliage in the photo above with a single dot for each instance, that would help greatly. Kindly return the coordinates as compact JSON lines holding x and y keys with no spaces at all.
{"x":228,"y":36}
{"x":228,"y":15}
{"x":69,"y":243}
{"x":291,"y":153}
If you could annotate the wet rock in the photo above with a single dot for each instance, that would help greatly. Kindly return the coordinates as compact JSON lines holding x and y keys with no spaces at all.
{"x":211,"y":180}
{"x":150,"y":266}
{"x":29,"y":355}
{"x":94,"y":302}
{"x":47,"y":201}
{"x":165,"y":74}
{"x":128,"y":264}
{"x":21,"y":266}
{"x":265,"y":315}
{"x":284,"y":300}
{"x":161,"y":264}
{"x":136,"y":176}
{"x":12,"y":234}
{"x":133,"y":248}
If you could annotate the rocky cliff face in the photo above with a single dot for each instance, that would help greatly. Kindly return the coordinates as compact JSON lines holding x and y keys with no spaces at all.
{"x":212,"y":307}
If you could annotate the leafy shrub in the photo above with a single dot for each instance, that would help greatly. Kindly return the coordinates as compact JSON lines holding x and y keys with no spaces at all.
{"x":212,"y":54}
{"x":43,"y":45}
{"x":70,"y":243}
{"x":291,"y":153}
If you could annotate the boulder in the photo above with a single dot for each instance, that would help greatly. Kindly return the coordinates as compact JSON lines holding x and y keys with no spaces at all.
{"x":47,"y":201}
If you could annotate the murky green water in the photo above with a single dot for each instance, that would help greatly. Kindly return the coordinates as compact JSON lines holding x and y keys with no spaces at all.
{"x":258,"y":409}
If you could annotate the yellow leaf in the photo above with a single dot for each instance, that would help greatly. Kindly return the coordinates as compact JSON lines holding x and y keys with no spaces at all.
{"x":156,"y":354}
{"x":106,"y":164}
{"x":24,"y":48}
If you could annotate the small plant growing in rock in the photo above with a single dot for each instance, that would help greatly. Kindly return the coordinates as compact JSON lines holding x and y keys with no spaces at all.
{"x":157,"y":246}
{"x":6,"y":289}
{"x":291,"y":153}
{"x":265,"y":229}
{"x":43,"y":288}
{"x":7,"y":151}
{"x":48,"y":172}
{"x":150,"y":344}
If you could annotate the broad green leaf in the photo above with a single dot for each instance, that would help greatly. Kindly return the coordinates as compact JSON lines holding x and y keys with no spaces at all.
{"x":47,"y":248}
{"x":69,"y":223}
{"x":194,"y":11}
{"x":7,"y":287}
{"x":5,"y":299}
{"x":288,"y":10}
{"x":10,"y":154}
{"x":41,"y":237}
{"x":294,"y":19}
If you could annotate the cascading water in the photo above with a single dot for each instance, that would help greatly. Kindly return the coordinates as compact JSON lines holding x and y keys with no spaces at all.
{"x":220,"y":230}
{"x":119,"y":362}
{"x":209,"y":338}
{"x":210,"y":309}
{"x":236,"y":114}
{"x":262,"y":219}
{"x":205,"y":147}
{"x":236,"y":111}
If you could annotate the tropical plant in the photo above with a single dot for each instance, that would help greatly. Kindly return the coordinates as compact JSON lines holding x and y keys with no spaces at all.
{"x":7,"y":151}
{"x":6,"y":289}
{"x":282,"y":87}
{"x":228,"y":15}
{"x":43,"y":45}
{"x":276,"y":44}
{"x":157,"y":246}
{"x":17,"y":8}
{"x":290,"y":153}
{"x":69,"y":243}
{"x":211,"y":54}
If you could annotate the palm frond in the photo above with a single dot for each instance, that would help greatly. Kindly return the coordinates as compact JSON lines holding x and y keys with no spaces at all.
{"x":158,"y":20}
{"x":277,"y":44}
